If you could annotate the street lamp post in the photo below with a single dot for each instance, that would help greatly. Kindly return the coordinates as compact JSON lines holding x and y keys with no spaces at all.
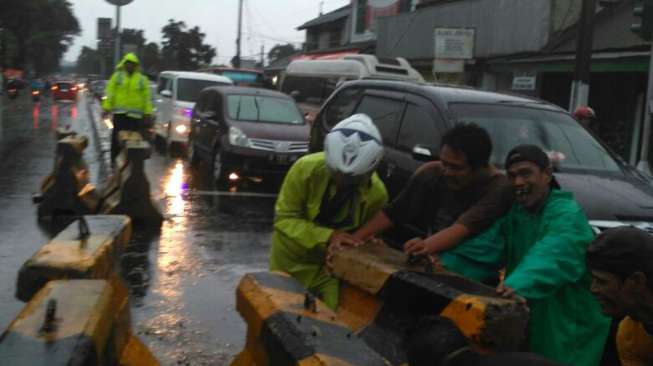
{"x":116,"y":52}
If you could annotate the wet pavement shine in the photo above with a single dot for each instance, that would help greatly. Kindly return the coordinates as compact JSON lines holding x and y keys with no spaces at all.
{"x":182,"y":278}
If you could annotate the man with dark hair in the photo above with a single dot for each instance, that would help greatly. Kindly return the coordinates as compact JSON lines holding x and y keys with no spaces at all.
{"x":621,"y":262}
{"x":451,"y":200}
{"x":546,"y":234}
{"x":436,"y":341}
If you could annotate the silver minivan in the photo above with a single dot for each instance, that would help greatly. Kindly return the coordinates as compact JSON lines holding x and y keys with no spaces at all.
{"x":176,"y":94}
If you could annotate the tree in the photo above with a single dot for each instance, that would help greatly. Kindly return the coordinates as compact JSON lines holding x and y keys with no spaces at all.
{"x":182,"y":49}
{"x":151,"y":59}
{"x":88,"y":61}
{"x":280,"y":51}
{"x":42,"y":29}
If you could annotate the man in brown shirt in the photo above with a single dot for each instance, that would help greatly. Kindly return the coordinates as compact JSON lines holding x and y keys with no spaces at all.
{"x":449,"y":200}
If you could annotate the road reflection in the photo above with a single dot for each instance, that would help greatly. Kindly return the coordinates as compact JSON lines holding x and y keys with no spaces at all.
{"x":36,"y":111}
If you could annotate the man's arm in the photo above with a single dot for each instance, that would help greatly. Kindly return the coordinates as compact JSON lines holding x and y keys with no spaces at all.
{"x":109,"y":90}
{"x":147,"y":110}
{"x":557,"y":259}
{"x":492,"y":205}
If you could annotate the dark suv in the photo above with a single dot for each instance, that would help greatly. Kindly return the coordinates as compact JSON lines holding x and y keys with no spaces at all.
{"x":413,"y":117}
{"x":246,"y":132}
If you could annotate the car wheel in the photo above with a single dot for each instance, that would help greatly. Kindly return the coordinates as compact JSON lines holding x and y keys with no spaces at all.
{"x":217,"y":168}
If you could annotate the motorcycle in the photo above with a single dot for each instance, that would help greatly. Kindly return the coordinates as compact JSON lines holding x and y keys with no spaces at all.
{"x":36,"y":95}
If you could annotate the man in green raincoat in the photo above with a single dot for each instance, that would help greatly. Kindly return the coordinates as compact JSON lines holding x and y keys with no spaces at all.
{"x":324,"y":197}
{"x":546,"y":236}
{"x":127,"y":99}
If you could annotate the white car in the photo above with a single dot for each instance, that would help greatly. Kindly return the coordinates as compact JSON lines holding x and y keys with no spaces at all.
{"x":176,"y":94}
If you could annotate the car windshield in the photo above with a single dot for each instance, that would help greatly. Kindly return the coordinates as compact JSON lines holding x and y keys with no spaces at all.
{"x":564,"y":140}
{"x":243,"y":77}
{"x":188,"y":90}
{"x":263,"y":109}
{"x":64,"y":85}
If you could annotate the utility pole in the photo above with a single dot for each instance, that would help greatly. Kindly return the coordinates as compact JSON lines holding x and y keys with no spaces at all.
{"x":580,"y":87}
{"x":116,"y":51}
{"x":240,"y":23}
{"x":262,"y":55}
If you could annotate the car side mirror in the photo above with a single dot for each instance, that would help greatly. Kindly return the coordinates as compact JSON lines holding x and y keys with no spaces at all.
{"x":166,"y":93}
{"x":424,"y":153}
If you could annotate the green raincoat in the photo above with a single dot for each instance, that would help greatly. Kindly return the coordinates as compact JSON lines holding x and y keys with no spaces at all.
{"x":545,"y":263}
{"x":128,"y":94}
{"x":298,"y":242}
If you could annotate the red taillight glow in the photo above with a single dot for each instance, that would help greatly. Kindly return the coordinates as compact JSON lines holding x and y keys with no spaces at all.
{"x":55,"y":87}
{"x":73,"y":88}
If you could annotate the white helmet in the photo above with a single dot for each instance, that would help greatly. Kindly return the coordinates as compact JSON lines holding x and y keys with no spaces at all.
{"x":353,"y":146}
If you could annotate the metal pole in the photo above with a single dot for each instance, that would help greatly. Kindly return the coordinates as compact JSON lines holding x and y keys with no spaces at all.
{"x":580,"y":86}
{"x":637,"y":129}
{"x":240,"y":23}
{"x":116,"y":51}
{"x":643,"y":163}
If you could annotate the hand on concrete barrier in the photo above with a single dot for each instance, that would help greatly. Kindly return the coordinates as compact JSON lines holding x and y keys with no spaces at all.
{"x":508,"y":293}
{"x":339,"y":240}
{"x":415,"y":246}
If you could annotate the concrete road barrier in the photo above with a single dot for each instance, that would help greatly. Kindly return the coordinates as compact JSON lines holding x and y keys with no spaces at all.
{"x":74,"y":323}
{"x":128,"y":191}
{"x":408,"y":292}
{"x":381,"y":298}
{"x":287,"y":327}
{"x":76,"y":252}
{"x":67,"y":191}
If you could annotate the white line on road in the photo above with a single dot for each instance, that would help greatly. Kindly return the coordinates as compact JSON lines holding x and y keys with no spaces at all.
{"x":229,"y":194}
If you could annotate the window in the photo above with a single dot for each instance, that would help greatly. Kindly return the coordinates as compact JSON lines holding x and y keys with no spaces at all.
{"x":555,"y":132}
{"x":385,"y":113}
{"x":188,"y":90}
{"x":342,"y":106}
{"x":417,"y":127}
{"x":312,"y":89}
{"x":164,"y":84}
{"x":263,"y":109}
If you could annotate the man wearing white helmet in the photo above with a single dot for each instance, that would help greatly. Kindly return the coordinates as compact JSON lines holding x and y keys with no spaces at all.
{"x":324,"y":197}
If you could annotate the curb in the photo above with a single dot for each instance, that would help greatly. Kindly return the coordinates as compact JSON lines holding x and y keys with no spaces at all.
{"x":102,"y":135}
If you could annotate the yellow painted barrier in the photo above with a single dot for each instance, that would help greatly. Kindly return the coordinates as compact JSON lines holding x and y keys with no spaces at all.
{"x":76,"y":253}
{"x":127,"y":191}
{"x":67,"y":191}
{"x":74,"y":322}
{"x":381,"y":298}
{"x":285,"y":326}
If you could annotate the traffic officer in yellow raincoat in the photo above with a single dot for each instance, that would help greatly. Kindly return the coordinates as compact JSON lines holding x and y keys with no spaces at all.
{"x":127,"y":99}
{"x":324,"y":197}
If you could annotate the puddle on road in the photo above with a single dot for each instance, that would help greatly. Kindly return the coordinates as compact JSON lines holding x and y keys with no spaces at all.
{"x":183,"y":279}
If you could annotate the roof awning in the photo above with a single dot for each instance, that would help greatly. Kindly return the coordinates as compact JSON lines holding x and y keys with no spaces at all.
{"x":326,"y":56}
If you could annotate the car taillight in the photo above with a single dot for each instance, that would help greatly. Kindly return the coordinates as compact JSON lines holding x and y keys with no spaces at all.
{"x":73,"y":88}
{"x":55,"y":87}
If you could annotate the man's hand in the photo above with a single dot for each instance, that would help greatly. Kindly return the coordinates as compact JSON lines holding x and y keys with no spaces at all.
{"x":508,"y":293}
{"x":338,"y":241}
{"x":417,"y":246}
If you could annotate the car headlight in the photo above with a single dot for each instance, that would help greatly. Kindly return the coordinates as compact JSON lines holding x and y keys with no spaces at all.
{"x":238,"y":137}
{"x":181,"y":129}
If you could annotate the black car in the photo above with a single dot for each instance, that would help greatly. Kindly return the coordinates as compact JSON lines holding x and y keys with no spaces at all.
{"x":245,"y":132}
{"x":412,"y":118}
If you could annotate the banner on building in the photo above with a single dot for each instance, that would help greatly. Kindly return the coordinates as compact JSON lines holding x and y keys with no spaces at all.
{"x":524,"y":82}
{"x":454,"y":43}
{"x":441,"y":66}
{"x":365,"y":13}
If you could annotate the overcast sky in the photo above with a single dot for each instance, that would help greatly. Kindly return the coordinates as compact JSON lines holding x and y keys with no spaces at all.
{"x":266,"y":22}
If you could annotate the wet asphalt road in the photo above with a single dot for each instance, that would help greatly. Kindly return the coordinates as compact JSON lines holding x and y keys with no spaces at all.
{"x":183,"y":277}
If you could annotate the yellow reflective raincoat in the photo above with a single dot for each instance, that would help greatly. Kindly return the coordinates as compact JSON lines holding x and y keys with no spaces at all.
{"x":128,"y":94}
{"x":545,"y":263}
{"x":299,"y":243}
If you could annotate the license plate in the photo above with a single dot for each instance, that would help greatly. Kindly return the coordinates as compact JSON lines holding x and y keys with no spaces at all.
{"x":64,"y":90}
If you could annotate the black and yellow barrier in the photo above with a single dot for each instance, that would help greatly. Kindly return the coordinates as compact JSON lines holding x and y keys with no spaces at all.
{"x":285,"y":326}
{"x":67,"y":191}
{"x":75,"y":323}
{"x":128,"y":191}
{"x":408,"y":292}
{"x":381,"y":298}
{"x":89,"y":248}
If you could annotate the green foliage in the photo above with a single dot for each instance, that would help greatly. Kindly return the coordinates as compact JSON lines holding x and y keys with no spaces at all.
{"x":184,"y":49}
{"x":281,"y":51}
{"x":42,"y":31}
